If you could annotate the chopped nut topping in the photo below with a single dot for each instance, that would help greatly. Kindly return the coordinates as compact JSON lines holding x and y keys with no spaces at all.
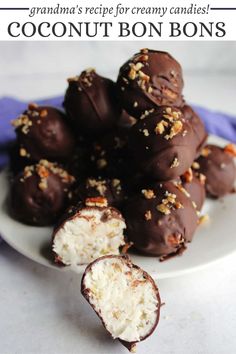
{"x":150,"y":89}
{"x":23,"y":152}
{"x":98,"y":201}
{"x":205,"y":152}
{"x":175,"y":163}
{"x":169,"y":203}
{"x":143,"y":76}
{"x":160,"y":127}
{"x":169,"y":93}
{"x":168,"y":110}
{"x":182,"y":189}
{"x":194,"y":204}
{"x":178,"y":205}
{"x":175,"y":240}
{"x":135,"y":72}
{"x":148,"y":193}
{"x":171,"y":114}
{"x":138,"y":66}
{"x":202,"y":178}
{"x":175,"y":129}
{"x":145,"y":132}
{"x":43,"y":113}
{"x":100,"y":186}
{"x":146,"y":113}
{"x":170,"y":198}
{"x":28,"y":171}
{"x":163,"y":209}
{"x":44,"y":168}
{"x":230,"y":149}
{"x":144,"y":50}
{"x":101,"y":163}
{"x":116,"y":183}
{"x":43,"y":184}
{"x":85,"y":78}
{"x":148,"y":215}
{"x":42,"y":171}
{"x":171,"y":121}
{"x":135,"y":104}
{"x":22,"y":122}
{"x":132,"y":74}
{"x":203,"y":219}
{"x":188,"y":175}
{"x":195,"y":165}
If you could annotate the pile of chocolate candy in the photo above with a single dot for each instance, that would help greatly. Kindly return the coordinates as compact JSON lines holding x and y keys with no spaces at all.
{"x":127,"y":163}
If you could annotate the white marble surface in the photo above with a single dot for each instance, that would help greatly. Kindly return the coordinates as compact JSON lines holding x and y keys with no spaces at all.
{"x":42,"y":311}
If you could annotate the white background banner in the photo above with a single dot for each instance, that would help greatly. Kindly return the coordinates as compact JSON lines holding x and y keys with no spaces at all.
{"x":118,"y":20}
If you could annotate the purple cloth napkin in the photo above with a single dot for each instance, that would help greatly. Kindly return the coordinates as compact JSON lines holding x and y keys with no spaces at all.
{"x":219,"y":124}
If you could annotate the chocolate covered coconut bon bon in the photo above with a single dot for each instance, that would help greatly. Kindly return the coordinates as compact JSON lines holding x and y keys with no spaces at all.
{"x":42,"y":133}
{"x":160,"y":220}
{"x":162,"y":144}
{"x":88,"y":231}
{"x":217,"y":165}
{"x":124,"y":297}
{"x":40,"y":194}
{"x":150,"y":79}
{"x":91,"y":104}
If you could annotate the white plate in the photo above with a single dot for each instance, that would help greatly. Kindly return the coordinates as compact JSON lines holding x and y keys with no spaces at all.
{"x":212,"y":241}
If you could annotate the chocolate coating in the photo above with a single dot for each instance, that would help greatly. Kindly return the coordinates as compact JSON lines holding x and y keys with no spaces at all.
{"x":197,"y":125}
{"x":149,"y":79}
{"x":91,"y":103}
{"x":91,"y":203}
{"x":79,"y":164}
{"x":162,"y":144}
{"x":157,"y":226}
{"x":39,"y":194}
{"x":108,"y":154}
{"x":126,"y":121}
{"x":219,"y":168}
{"x":111,"y":189}
{"x":194,"y":184}
{"x":42,"y":133}
{"x":17,"y":162}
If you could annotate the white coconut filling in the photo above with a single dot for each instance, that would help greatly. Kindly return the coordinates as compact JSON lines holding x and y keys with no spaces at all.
{"x":126,"y":301}
{"x":86,"y":237}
